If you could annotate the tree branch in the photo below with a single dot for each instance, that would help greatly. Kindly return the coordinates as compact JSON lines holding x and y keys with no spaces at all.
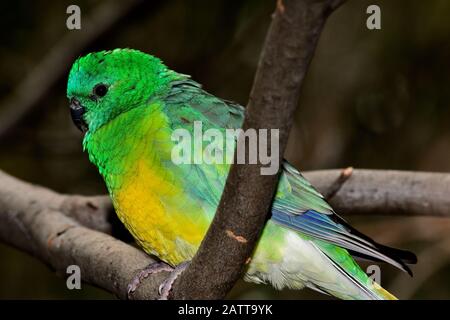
{"x":242,"y":212}
{"x":58,"y":229}
{"x":387,"y":192}
{"x":35,"y":220}
{"x":53,"y":227}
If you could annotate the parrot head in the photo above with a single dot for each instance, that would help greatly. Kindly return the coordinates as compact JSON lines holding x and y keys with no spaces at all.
{"x":103,"y":85}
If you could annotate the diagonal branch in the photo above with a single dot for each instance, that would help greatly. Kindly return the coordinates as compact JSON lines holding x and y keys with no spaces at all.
{"x":36,"y":220}
{"x":287,"y":53}
{"x":58,"y":228}
{"x":62,"y":230}
{"x":55,"y":64}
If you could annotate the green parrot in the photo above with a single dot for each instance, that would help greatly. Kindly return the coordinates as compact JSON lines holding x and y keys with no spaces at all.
{"x":128,"y":104}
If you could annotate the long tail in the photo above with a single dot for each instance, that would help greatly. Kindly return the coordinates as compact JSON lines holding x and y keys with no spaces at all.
{"x":384,"y":294}
{"x":345,"y":265}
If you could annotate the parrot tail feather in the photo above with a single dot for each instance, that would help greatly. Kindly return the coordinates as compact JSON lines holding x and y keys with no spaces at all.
{"x":386,"y":295}
{"x":367,"y":288}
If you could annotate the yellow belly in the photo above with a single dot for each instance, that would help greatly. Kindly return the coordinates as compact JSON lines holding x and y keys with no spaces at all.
{"x":159,"y":215}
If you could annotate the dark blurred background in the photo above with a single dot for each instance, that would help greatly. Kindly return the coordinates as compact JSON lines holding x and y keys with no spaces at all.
{"x":371,"y":99}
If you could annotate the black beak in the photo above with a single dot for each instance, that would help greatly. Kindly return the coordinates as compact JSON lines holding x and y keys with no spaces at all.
{"x":77,"y":111}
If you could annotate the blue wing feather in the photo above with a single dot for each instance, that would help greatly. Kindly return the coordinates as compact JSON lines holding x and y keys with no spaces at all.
{"x":300,"y":207}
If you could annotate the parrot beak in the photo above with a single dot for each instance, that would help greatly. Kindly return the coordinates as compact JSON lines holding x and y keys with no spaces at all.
{"x":77,"y":111}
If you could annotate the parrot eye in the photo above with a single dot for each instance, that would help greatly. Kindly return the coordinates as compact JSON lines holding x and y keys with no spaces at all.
{"x":100,"y":90}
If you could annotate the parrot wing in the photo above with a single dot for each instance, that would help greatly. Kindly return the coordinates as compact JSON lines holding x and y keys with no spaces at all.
{"x":297,"y":204}
{"x":194,"y":104}
{"x":187,"y":103}
{"x":300,"y":207}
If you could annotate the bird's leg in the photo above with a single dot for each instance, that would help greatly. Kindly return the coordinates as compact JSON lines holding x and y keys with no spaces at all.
{"x":166,"y":286}
{"x":150,"y":269}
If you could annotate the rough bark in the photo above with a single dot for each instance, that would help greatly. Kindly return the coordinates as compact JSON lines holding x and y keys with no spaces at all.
{"x":58,"y":228}
{"x":62,"y":230}
{"x":387,"y":192}
{"x":240,"y":217}
{"x":40,"y":222}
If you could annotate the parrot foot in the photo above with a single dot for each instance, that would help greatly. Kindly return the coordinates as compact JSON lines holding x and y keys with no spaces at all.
{"x":166,"y":286}
{"x":149,"y":270}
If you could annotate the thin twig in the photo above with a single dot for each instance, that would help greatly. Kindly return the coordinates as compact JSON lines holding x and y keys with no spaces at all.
{"x":337,"y":185}
{"x":387,"y":192}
